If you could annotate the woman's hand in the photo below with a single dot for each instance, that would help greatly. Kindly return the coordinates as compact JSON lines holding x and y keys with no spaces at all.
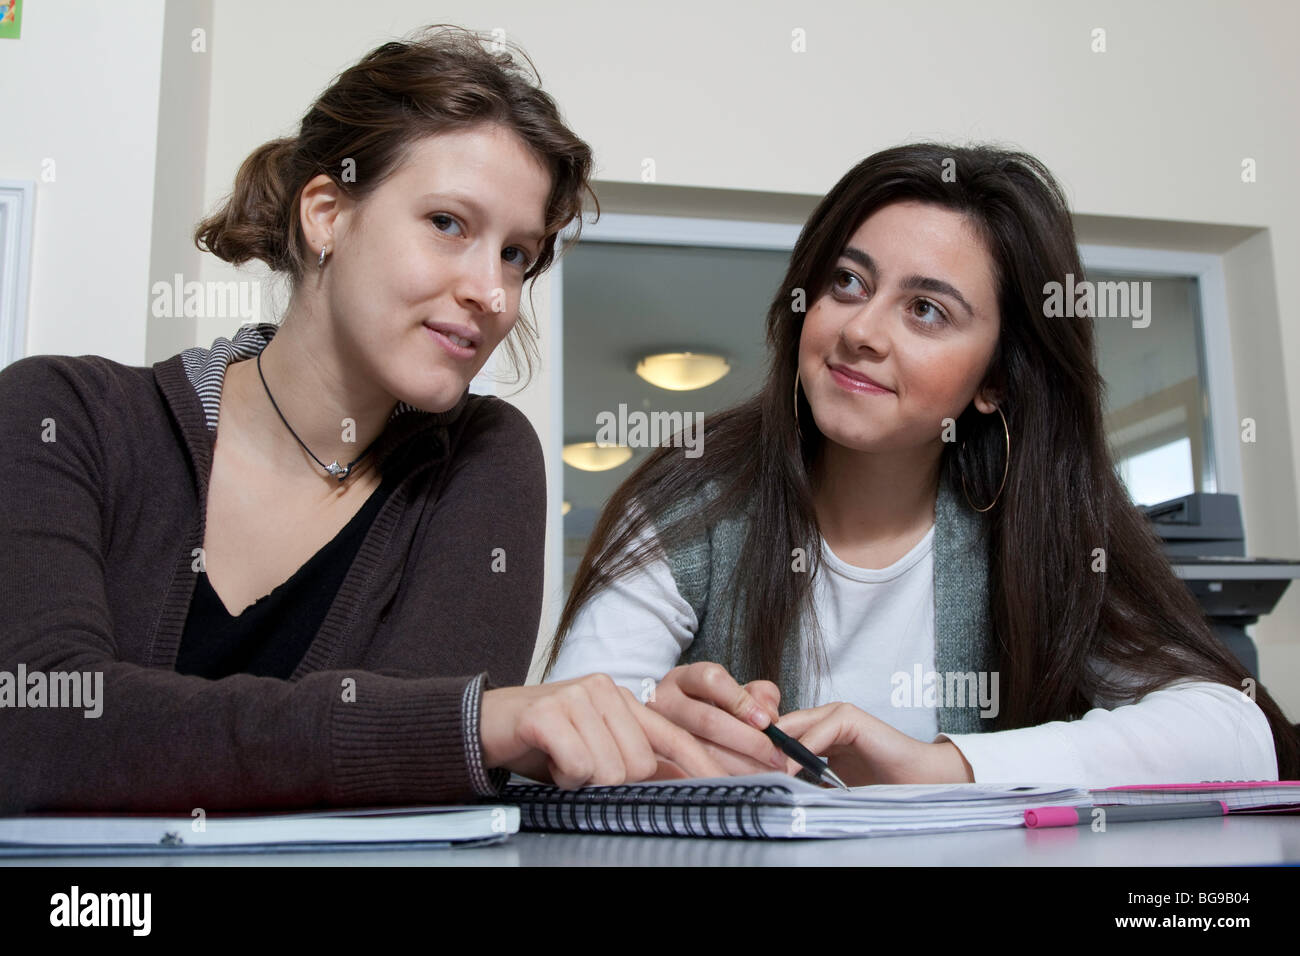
{"x":727,"y":719}
{"x":862,"y":749}
{"x":586,"y":731}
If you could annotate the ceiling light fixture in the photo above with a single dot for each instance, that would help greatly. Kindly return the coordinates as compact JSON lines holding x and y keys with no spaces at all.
{"x":682,"y":371}
{"x":589,"y":456}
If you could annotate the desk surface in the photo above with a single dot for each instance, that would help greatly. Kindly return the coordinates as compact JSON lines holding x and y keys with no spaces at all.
{"x":1223,"y":841}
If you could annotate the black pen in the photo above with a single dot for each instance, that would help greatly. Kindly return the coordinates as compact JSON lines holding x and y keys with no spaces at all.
{"x":805,"y":757}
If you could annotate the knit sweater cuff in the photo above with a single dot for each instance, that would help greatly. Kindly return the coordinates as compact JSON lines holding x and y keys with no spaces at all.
{"x":484,"y":781}
{"x":408,"y":741}
{"x":493,"y":782}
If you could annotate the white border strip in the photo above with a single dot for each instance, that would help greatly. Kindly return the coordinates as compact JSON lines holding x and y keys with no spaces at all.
{"x":18,"y":198}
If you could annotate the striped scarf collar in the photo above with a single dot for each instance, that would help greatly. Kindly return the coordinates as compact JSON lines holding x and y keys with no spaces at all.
{"x":206,"y":367}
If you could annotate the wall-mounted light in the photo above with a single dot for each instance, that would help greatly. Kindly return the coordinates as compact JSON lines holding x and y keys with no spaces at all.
{"x":589,"y":456}
{"x":682,"y":371}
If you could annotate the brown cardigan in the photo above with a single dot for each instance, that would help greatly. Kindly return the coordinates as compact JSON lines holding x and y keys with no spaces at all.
{"x":98,"y":532}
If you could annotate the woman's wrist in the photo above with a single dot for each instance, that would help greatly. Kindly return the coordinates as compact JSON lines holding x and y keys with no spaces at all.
{"x":949,"y":764}
{"x":493,"y":727}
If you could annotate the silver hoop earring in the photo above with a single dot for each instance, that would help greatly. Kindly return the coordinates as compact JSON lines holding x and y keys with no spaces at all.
{"x":320,"y":263}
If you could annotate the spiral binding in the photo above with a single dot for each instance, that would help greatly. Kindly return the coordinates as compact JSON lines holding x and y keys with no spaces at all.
{"x":707,"y":810}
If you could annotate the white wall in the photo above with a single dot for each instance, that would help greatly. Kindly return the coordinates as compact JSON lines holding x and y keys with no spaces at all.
{"x":81,"y":90}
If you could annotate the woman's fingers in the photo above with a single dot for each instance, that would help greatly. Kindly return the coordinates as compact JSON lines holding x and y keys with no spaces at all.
{"x":590,"y":731}
{"x":718,"y":727}
{"x":797,"y":721}
{"x":585,"y":732}
{"x":546,"y":728}
{"x":735,"y":764}
{"x":821,"y":739}
{"x":590,"y":712}
{"x":672,"y":742}
{"x":636,"y":755}
{"x":667,"y":770}
{"x":712,"y":684}
{"x":706,"y":700}
{"x":823,"y":730}
{"x":768,"y":696}
{"x":866,"y":749}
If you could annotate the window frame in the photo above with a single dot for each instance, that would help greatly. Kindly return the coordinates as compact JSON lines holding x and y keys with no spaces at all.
{"x":1223,"y":465}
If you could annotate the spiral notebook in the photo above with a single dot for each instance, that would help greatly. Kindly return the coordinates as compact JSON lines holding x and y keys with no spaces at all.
{"x":778,"y":806}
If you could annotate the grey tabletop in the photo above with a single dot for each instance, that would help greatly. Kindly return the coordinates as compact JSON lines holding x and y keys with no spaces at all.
{"x":1222,"y":841}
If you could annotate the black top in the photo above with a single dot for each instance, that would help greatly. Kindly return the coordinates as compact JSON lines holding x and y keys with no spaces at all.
{"x":270,"y":636}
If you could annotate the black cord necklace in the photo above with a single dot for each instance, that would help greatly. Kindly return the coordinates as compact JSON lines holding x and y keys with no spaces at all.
{"x":334,"y":468}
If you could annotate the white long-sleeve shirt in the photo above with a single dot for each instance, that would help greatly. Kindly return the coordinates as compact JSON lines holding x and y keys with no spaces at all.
{"x":877,"y":628}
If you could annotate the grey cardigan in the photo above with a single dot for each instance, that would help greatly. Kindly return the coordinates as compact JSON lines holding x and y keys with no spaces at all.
{"x":704,"y":570}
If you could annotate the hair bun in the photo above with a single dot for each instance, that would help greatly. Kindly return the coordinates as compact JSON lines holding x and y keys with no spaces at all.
{"x":251,"y":223}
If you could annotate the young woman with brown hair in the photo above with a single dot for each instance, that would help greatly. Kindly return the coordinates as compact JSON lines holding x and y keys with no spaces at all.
{"x":293,"y":577}
{"x":913,"y":538}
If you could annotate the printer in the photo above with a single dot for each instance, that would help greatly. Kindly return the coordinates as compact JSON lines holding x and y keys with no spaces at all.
{"x":1205,"y":543}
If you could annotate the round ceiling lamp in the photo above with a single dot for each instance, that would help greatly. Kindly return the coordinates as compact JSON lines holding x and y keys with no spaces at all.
{"x":682,"y":371}
{"x":590,"y":456}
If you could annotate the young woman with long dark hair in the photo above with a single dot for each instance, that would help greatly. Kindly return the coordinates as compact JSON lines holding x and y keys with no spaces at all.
{"x":913,"y":539}
{"x":304,"y":566}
